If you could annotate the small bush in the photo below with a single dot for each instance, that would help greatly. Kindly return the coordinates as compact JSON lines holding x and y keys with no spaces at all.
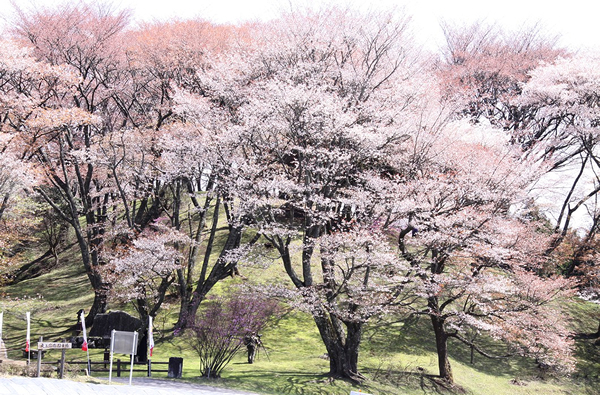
{"x":20,"y":368}
{"x":221,"y":327}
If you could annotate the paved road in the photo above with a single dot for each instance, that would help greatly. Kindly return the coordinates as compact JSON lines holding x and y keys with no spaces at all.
{"x":141,"y":386}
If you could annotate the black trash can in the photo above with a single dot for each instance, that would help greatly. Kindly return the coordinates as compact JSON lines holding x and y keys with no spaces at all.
{"x":175,"y":367}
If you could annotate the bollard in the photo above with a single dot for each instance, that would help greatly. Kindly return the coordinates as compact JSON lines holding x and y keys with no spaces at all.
{"x":175,"y":367}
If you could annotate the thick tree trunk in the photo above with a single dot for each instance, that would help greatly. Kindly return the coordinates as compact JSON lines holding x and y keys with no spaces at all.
{"x":187,"y":313}
{"x":185,"y":297}
{"x":342,"y":348}
{"x":441,"y":343}
{"x":341,"y":338}
{"x":99,"y":305}
{"x":90,"y":262}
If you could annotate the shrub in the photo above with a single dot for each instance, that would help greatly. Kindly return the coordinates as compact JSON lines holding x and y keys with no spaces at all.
{"x":220,"y":328}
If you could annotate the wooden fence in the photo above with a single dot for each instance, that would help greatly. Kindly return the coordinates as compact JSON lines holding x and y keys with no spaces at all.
{"x":118,"y":366}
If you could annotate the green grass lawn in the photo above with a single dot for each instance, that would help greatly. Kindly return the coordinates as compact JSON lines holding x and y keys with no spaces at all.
{"x":396,"y":359}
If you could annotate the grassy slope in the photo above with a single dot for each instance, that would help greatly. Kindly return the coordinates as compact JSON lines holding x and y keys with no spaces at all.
{"x":397,"y":359}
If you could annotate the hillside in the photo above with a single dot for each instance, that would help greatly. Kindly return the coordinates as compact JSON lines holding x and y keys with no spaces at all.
{"x":397,"y":358}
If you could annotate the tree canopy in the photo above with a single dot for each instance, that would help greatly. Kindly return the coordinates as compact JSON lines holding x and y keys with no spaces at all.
{"x":387,"y":181}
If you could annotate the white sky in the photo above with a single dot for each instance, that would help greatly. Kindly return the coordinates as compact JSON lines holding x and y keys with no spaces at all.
{"x":575,"y":20}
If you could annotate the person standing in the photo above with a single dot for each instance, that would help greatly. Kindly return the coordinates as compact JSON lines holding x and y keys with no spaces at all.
{"x":252,"y":342}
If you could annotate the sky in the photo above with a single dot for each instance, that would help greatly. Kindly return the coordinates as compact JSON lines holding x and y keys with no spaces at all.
{"x":574,"y":20}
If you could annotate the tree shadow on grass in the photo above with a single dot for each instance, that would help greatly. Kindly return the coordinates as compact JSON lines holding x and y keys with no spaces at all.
{"x":588,"y":362}
{"x":414,"y":336}
{"x":412,"y":379}
{"x":298,"y":383}
{"x":293,"y":382}
{"x":512,"y":365}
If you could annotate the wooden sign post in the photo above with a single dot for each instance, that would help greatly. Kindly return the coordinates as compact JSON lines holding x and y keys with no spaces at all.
{"x":42,"y":345}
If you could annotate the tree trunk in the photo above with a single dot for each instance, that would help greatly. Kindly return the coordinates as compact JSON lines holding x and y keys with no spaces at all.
{"x":342,"y":349}
{"x":441,"y":343}
{"x":99,"y":305}
{"x":185,"y":295}
{"x":90,"y":262}
{"x":185,"y":277}
{"x":187,"y":310}
{"x":187,"y":313}
{"x":221,"y":269}
{"x":89,"y":238}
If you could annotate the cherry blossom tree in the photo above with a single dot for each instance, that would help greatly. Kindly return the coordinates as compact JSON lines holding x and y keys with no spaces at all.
{"x":200,"y":203}
{"x":143,"y":271}
{"x":562,"y":95}
{"x":485,"y":66}
{"x":326,"y":150}
{"x":314,"y":114}
{"x":25,"y":86}
{"x":323,"y":133}
{"x":186,"y":186}
{"x":476,"y":255}
{"x":82,"y":40}
{"x":123,"y":163}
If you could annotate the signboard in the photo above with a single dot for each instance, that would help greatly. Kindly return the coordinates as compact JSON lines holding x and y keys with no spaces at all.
{"x":124,"y":342}
{"x":53,"y":346}
{"x":42,"y":345}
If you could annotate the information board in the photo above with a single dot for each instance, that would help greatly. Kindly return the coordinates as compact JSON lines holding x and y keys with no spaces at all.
{"x":124,"y":342}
